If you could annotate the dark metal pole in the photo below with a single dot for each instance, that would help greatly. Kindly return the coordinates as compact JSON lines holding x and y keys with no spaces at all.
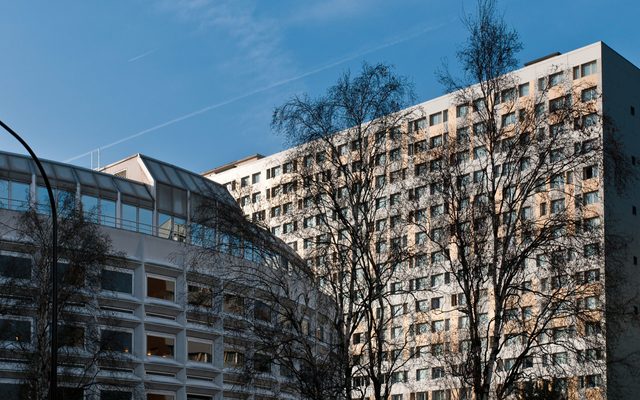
{"x":53,"y":378}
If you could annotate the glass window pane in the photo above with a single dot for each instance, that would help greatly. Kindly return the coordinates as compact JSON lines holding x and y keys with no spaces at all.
{"x":117,"y":281}
{"x":156,"y":396}
{"x":65,"y":201}
{"x":108,"y":212}
{"x":199,"y":351}
{"x":19,"y":196}
{"x":15,"y":267}
{"x":90,"y":207}
{"x":164,"y":225}
{"x":71,"y":336}
{"x":70,"y":393}
{"x":179,"y":229}
{"x":199,"y":296}
{"x":13,"y":391}
{"x":129,"y":217}
{"x":160,"y":346}
{"x":119,"y":341}
{"x":179,"y":201}
{"x":115,"y":395}
{"x":68,"y":275}
{"x":4,"y":193}
{"x":224,"y":243}
{"x":161,"y":288}
{"x":13,"y":330}
{"x":42,"y":200}
{"x":145,"y":221}
{"x":163,"y":199}
{"x":236,"y":246}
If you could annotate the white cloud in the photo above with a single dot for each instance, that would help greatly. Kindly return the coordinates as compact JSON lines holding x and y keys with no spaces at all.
{"x":256,"y":39}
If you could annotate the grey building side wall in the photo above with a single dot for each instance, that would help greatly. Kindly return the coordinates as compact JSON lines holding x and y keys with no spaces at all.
{"x":621,"y":98}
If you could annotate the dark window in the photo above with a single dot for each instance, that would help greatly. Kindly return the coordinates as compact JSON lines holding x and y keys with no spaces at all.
{"x":13,"y":330}
{"x":116,"y":281}
{"x":199,"y":296}
{"x":71,"y":336}
{"x":233,"y":304}
{"x":589,"y":172}
{"x":262,"y":363}
{"x":70,"y":274}
{"x":157,"y":396}
{"x":116,"y":341}
{"x":114,"y":395}
{"x":66,"y":393}
{"x":15,"y":267}
{"x":357,"y":337}
{"x":262,"y":311}
{"x":13,"y":391}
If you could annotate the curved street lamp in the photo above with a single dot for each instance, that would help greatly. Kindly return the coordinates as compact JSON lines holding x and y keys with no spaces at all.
{"x":53,"y":378}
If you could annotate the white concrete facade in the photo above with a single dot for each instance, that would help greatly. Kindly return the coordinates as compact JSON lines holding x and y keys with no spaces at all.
{"x":618,"y":82}
{"x":171,"y":347}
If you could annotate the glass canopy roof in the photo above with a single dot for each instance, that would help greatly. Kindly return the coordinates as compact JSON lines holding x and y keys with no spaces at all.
{"x":160,"y":171}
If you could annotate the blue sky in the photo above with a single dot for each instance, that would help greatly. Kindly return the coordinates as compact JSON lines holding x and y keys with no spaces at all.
{"x":195,"y":81}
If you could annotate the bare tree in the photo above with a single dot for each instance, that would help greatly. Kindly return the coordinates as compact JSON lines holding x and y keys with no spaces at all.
{"x":514,"y":217}
{"x":83,"y":251}
{"x":269,"y":297}
{"x":349,"y":177}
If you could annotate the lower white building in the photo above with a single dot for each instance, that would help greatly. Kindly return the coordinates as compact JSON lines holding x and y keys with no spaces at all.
{"x":175,"y":327}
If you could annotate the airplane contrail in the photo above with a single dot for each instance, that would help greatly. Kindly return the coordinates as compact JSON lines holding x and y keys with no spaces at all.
{"x":260,"y":90}
{"x":146,"y":53}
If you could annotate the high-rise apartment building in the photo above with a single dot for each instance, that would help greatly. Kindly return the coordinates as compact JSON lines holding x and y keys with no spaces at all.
{"x":267,"y":190}
{"x":165,"y":318}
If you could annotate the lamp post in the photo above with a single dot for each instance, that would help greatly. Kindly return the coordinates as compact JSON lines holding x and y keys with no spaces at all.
{"x":53,"y":378}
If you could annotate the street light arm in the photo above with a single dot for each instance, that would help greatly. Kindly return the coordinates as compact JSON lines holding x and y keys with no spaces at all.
{"x":53,"y":379}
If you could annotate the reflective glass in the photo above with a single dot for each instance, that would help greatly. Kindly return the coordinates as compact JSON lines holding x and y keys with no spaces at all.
{"x":4,"y":193}
{"x":108,"y":212}
{"x":129,"y":217}
{"x":164,"y":225}
{"x":19,"y":196}
{"x":90,"y":207}
{"x":179,"y":229}
{"x":116,"y":341}
{"x":116,"y":281}
{"x":145,"y":221}
{"x":199,"y":351}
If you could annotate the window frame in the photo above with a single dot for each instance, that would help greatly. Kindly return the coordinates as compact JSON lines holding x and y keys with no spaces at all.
{"x":159,"y":335}
{"x":202,"y":341}
{"x":160,"y":277}
{"x":15,"y":254}
{"x":19,"y":318}
{"x":130,"y":331}
{"x":121,"y":270}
